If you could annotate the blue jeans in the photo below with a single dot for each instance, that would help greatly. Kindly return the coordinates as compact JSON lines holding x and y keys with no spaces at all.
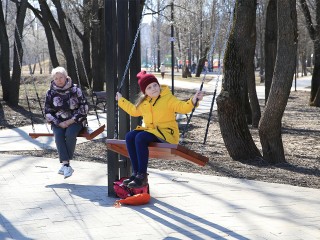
{"x":66,"y":139}
{"x":137,"y":145}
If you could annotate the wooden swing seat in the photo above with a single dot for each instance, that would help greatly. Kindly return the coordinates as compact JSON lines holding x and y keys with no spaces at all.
{"x":85,"y":132}
{"x":165,"y":151}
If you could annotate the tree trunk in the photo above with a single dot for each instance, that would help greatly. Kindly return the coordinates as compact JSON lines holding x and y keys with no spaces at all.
{"x":18,"y":55}
{"x":201,"y":62}
{"x":4,"y":58}
{"x":249,"y":47}
{"x":102,"y":49}
{"x":85,"y":69}
{"x":303,"y":64}
{"x":270,"y":124}
{"x":232,"y":120}
{"x":45,"y":23}
{"x":185,"y":71}
{"x":261,"y":44}
{"x":96,"y":40}
{"x":314,"y":32}
{"x":61,"y":34}
{"x":315,"y":81}
{"x":202,"y":55}
{"x":270,"y":47}
{"x":65,"y":42}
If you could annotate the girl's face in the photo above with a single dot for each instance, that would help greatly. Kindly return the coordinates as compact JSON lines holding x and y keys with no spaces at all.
{"x":153,"y":90}
{"x":60,"y":79}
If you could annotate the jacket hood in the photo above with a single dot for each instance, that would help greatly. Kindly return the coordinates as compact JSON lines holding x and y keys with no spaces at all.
{"x":165,"y":90}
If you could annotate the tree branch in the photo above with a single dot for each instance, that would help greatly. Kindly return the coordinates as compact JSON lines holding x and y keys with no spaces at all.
{"x":307,"y":15}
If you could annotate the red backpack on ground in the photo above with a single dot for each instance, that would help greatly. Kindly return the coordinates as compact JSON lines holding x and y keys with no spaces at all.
{"x":123,"y":191}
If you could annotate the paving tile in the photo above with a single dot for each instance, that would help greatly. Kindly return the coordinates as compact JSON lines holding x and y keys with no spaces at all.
{"x":36,"y":203}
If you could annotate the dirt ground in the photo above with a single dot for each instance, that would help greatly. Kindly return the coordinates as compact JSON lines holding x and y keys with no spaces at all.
{"x":300,"y":134}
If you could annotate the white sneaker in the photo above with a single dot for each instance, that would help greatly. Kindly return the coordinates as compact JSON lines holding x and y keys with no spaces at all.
{"x":61,"y":170}
{"x":68,"y":172}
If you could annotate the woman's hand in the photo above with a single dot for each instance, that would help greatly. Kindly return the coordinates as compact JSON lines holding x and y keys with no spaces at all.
{"x":63,"y":124}
{"x":118,"y":96}
{"x":66,"y":123}
{"x":70,"y":121}
{"x":198,"y":95}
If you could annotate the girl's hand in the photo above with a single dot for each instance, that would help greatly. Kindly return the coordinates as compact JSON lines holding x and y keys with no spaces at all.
{"x":198,"y":95}
{"x":118,"y":96}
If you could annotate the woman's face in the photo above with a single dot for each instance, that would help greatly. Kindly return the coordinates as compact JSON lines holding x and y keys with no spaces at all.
{"x":153,"y":90}
{"x":60,"y":79}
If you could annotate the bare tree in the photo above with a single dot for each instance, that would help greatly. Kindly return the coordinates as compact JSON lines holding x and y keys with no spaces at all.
{"x":270,"y":124}
{"x":98,"y":47}
{"x":18,"y":54}
{"x":232,"y":120}
{"x":4,"y":57}
{"x":270,"y":47}
{"x":261,"y":20}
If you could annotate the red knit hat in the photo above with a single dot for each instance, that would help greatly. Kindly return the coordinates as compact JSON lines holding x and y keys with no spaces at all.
{"x":144,"y":79}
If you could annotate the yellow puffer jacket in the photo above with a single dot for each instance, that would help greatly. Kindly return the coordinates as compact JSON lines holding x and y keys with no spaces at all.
{"x":159,"y":114}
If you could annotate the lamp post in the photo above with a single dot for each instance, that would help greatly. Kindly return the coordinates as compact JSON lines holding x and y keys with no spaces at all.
{"x":172,"y":49}
{"x":154,"y":60}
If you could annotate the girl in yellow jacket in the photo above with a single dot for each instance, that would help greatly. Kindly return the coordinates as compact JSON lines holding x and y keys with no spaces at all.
{"x":158,"y":108}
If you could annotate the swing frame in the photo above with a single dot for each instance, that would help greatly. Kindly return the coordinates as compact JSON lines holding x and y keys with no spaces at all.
{"x":164,"y":151}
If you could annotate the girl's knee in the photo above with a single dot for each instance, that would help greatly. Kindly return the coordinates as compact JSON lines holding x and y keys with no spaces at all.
{"x":141,"y":140}
{"x":130,"y":136}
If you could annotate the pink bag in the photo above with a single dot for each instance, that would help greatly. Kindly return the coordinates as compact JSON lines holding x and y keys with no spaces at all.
{"x":123,"y":191}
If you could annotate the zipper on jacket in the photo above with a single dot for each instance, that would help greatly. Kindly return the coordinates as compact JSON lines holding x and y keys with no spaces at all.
{"x":161,"y":133}
{"x":156,"y":100}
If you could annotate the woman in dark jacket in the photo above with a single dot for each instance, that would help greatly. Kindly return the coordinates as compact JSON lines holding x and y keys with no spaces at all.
{"x":66,"y":110}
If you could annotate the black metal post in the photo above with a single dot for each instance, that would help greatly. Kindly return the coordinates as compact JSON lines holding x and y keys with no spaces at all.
{"x":172,"y":49}
{"x":146,"y":57}
{"x":111,"y":85}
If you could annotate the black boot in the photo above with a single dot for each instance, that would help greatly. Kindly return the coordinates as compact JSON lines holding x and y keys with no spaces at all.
{"x":140,"y":180}
{"x":130,"y":179}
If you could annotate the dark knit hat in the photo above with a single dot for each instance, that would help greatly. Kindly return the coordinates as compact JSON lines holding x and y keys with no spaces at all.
{"x":144,"y":79}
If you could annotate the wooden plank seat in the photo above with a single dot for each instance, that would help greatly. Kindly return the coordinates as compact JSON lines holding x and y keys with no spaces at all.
{"x":85,"y":132}
{"x":100,"y":97}
{"x":165,"y":151}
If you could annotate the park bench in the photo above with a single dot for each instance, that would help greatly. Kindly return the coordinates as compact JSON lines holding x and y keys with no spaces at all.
{"x":100,"y":98}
